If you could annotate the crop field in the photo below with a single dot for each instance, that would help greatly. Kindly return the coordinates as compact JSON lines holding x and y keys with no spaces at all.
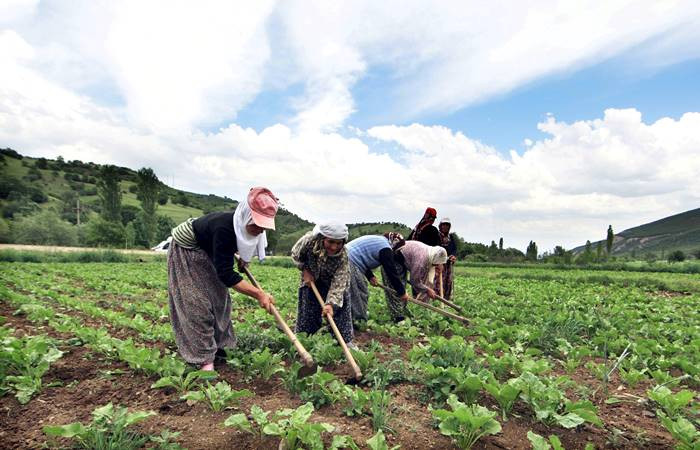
{"x":550,"y":359}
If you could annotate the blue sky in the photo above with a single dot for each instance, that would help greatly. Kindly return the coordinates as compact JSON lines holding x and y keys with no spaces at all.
{"x":504,"y":121}
{"x":370,"y":111}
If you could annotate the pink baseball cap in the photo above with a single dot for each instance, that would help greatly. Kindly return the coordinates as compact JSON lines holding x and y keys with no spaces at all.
{"x":263,"y":206}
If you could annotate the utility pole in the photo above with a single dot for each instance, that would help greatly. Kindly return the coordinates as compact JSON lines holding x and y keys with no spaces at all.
{"x":77,"y":211}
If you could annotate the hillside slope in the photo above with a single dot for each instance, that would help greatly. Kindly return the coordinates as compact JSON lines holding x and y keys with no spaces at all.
{"x":31,"y":185}
{"x":677,"y":232}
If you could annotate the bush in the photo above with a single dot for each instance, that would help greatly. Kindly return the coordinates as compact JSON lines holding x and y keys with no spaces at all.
{"x":4,"y":232}
{"x":676,"y":256}
{"x":100,"y":232}
{"x":45,"y":228}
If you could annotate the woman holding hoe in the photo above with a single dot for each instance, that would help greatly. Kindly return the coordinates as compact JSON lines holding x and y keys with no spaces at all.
{"x":200,"y":271}
{"x":322,"y":258}
{"x":366,"y":253}
{"x":445,"y":281}
{"x":423,"y":262}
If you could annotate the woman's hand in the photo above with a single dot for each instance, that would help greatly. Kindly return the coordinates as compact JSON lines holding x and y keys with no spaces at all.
{"x":266,"y":301}
{"x":452,"y":258}
{"x":327,"y":310}
{"x":307,"y":277}
{"x":431,"y":293}
{"x":373,"y":281}
{"x":404,"y":297}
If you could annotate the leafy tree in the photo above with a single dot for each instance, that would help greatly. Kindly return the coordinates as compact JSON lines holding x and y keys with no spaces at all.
{"x":493,"y":249}
{"x":100,"y":232}
{"x":676,"y":256}
{"x":531,"y":251}
{"x":41,"y":163}
{"x":110,"y":193}
{"x":182,"y":199}
{"x":69,"y":201}
{"x":148,"y":188}
{"x":37,"y":195}
{"x":162,"y":197}
{"x":164,"y":226}
{"x":129,"y":235}
{"x":599,"y":251}
{"x":272,"y":238}
{"x":4,"y":232}
{"x":129,"y":213}
{"x":45,"y":228}
{"x":609,"y":240}
{"x":500,"y":244}
{"x":587,"y":256}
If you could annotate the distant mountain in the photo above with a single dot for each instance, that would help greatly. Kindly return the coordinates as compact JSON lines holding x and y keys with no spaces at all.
{"x":677,"y":232}
{"x":30,"y":185}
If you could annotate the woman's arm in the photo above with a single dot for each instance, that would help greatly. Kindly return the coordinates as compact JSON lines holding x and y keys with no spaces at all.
{"x":264,"y":299}
{"x":340,"y":282}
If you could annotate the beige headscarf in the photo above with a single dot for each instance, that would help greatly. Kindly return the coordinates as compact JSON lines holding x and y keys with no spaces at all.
{"x":436,"y":255}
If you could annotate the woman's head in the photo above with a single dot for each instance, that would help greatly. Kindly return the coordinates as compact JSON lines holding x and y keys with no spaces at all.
{"x":334,"y":235}
{"x":437,"y":255}
{"x":396,"y":240}
{"x":445,"y":225}
{"x":263,"y":208}
{"x":430,"y":215}
{"x":333,"y":246}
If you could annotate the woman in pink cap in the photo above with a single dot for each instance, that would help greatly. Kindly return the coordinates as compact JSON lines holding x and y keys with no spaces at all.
{"x":201,"y":269}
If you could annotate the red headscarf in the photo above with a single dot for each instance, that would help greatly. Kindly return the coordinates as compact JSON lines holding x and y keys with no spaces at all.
{"x":428,"y":218}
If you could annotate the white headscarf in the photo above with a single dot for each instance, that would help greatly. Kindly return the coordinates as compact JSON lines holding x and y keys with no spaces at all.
{"x":436,"y":255}
{"x":248,"y":245}
{"x":332,"y":230}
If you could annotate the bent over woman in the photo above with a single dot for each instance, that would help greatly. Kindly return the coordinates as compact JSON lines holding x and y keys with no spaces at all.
{"x":366,"y":253}
{"x":422,"y":262}
{"x":322,"y":258}
{"x":200,"y":271}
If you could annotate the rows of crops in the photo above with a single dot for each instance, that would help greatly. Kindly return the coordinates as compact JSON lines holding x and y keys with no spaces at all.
{"x":550,"y":360}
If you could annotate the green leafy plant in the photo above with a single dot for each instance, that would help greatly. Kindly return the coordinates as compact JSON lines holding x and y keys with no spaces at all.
{"x":218,"y":397}
{"x":682,"y":431}
{"x":546,"y":400}
{"x":466,"y":424}
{"x":164,"y":440}
{"x":257,"y":363}
{"x":378,"y":442}
{"x":381,"y":411}
{"x":25,"y":361}
{"x":672,"y":404}
{"x":632,"y":376}
{"x":321,"y":388}
{"x":241,"y":422}
{"x":290,"y":425}
{"x":343,"y":441}
{"x":540,"y":443}
{"x":108,"y":429}
{"x":505,"y":394}
{"x":184,"y":382}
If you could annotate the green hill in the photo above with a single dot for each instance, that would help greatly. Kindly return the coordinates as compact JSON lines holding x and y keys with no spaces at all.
{"x":30,"y":186}
{"x":677,"y":232}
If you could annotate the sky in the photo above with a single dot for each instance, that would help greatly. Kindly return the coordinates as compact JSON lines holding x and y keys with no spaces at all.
{"x":544,"y":121}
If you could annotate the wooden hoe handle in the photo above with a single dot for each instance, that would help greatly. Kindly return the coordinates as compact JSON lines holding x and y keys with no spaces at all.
{"x":430,"y":307}
{"x":338,"y":336}
{"x":449,"y":303}
{"x":305,"y":356}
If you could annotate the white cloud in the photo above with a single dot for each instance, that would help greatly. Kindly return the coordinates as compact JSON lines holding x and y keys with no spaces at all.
{"x":170,"y":69}
{"x":179,"y":66}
